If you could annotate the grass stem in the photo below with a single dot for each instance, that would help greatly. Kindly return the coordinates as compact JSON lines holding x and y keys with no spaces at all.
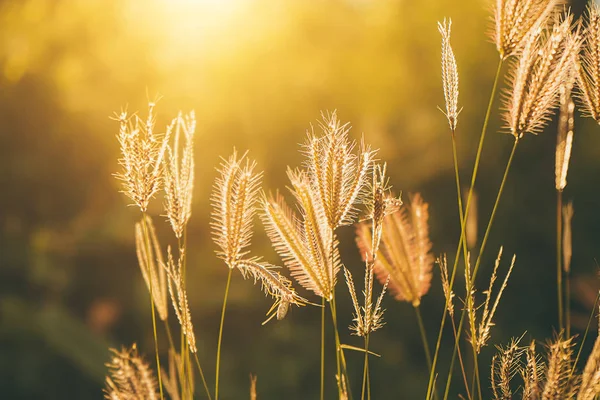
{"x":365,"y":369}
{"x":559,"y":271}
{"x":221,"y":333}
{"x":322,"y":397}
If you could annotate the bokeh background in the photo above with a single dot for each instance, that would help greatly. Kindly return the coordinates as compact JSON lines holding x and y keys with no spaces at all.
{"x":257,"y":73}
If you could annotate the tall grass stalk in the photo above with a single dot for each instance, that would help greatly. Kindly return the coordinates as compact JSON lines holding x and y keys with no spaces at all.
{"x":366,"y":371}
{"x":559,"y":272}
{"x":462,"y":234}
{"x":148,"y":250}
{"x":322,"y":394}
{"x":423,"y":333}
{"x":221,"y":334}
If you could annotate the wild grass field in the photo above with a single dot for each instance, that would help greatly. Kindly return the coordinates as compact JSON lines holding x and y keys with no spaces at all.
{"x":261,"y":243}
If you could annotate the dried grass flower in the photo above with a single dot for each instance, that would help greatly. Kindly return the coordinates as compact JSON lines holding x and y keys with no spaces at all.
{"x":369,"y":317}
{"x":179,"y":172}
{"x":337,"y":174}
{"x":449,"y":75}
{"x":448,"y":292}
{"x":544,"y":64}
{"x":234,"y":199}
{"x":480,"y":333}
{"x":564,"y":140}
{"x":179,"y":298}
{"x":142,"y":153}
{"x":130,"y":377}
{"x":588,"y":67}
{"x":151,"y":262}
{"x":514,"y":20}
{"x":405,"y":250}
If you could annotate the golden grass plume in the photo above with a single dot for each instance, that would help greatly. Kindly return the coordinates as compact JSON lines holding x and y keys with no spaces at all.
{"x":449,"y":75}
{"x":130,"y":377}
{"x":588,"y":67}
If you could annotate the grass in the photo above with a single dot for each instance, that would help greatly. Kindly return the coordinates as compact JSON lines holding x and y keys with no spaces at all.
{"x":341,"y":183}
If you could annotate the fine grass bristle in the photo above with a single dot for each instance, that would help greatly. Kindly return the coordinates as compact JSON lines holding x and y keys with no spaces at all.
{"x":130,"y":377}
{"x":588,"y":66}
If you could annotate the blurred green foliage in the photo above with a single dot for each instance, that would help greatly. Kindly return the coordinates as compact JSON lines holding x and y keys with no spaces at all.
{"x":258,"y":73}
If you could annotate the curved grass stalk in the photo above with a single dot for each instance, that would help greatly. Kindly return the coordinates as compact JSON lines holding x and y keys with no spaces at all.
{"x":462,"y":234}
{"x":221,"y":334}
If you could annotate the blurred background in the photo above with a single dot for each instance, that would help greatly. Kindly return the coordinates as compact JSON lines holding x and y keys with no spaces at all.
{"x":258,"y":73}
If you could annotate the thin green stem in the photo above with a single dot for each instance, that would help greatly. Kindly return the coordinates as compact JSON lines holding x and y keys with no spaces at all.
{"x":559,"y":272}
{"x":476,"y":378}
{"x":322,"y":349}
{"x":365,"y":369}
{"x":585,"y":334}
{"x":423,"y":333}
{"x":202,"y":376}
{"x":148,"y":251}
{"x":462,"y":365}
{"x":462,"y":234}
{"x":481,"y":250}
{"x":221,"y":334}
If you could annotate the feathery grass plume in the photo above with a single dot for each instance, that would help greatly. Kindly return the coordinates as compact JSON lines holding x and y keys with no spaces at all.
{"x":171,"y":379}
{"x":369,"y":317}
{"x":252,"y":387}
{"x":567,"y":242}
{"x":480,"y":334}
{"x":564,"y":141}
{"x":516,"y":19}
{"x":590,"y":381}
{"x":505,"y":366}
{"x":588,"y":67}
{"x":449,"y":75}
{"x":448,"y":292}
{"x":304,"y":244}
{"x":179,"y":173}
{"x":558,"y":383}
{"x":234,"y":198}
{"x":142,"y":152}
{"x":544,"y":65}
{"x":337,"y":175}
{"x":130,"y":377}
{"x":533,"y":374}
{"x":151,"y":264}
{"x":404,"y":253}
{"x":179,"y":296}
{"x":273,"y":284}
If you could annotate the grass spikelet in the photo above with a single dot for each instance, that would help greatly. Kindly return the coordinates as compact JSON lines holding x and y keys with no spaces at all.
{"x":273,"y":284}
{"x":179,"y":297}
{"x":369,"y":317}
{"x":448,"y":292}
{"x":142,"y":153}
{"x":337,"y":174}
{"x":289,"y":240}
{"x":449,"y":75}
{"x":515,"y":19}
{"x":130,"y":377}
{"x":480,"y":333}
{"x":404,"y":253}
{"x":590,"y":380}
{"x":179,"y":173}
{"x":533,"y":374}
{"x":234,"y":198}
{"x":151,"y":264}
{"x":564,"y":142}
{"x":544,"y":65}
{"x":505,"y":365}
{"x":558,"y":384}
{"x":567,"y":242}
{"x":588,"y":67}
